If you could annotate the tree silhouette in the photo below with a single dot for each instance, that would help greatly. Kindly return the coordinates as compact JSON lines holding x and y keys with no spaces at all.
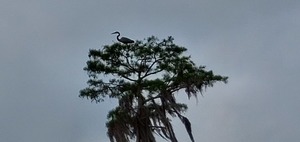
{"x":143,"y":77}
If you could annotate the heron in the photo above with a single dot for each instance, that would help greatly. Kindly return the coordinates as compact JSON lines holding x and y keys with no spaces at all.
{"x":124,"y":40}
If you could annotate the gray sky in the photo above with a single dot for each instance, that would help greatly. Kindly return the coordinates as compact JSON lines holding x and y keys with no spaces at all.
{"x":44,"y":46}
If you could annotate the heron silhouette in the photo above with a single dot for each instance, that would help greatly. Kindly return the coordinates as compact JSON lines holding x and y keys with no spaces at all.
{"x":124,"y":40}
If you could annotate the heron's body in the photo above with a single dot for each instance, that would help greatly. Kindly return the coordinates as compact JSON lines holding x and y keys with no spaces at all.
{"x":124,"y":40}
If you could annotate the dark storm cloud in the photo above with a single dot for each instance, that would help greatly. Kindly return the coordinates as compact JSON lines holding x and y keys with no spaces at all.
{"x":44,"y":47}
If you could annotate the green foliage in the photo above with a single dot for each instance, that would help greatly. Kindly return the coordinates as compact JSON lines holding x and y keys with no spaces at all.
{"x":144,"y":77}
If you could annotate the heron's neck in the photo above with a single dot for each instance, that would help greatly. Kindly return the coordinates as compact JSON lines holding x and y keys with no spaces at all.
{"x":118,"y":36}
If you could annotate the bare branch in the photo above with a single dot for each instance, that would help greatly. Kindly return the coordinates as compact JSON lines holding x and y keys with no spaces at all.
{"x":133,"y":80}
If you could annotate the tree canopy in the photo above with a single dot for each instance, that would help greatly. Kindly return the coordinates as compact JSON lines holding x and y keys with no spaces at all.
{"x":143,"y":77}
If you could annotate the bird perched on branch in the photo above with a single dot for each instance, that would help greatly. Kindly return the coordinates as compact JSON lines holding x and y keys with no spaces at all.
{"x":124,"y":40}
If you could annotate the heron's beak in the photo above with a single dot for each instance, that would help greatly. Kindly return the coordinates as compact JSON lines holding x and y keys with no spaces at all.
{"x":114,"y":33}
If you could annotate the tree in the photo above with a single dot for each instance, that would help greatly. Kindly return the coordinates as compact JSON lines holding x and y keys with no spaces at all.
{"x":143,"y":77}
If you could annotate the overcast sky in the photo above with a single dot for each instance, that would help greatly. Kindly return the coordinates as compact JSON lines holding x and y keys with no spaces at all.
{"x":44,"y":46}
